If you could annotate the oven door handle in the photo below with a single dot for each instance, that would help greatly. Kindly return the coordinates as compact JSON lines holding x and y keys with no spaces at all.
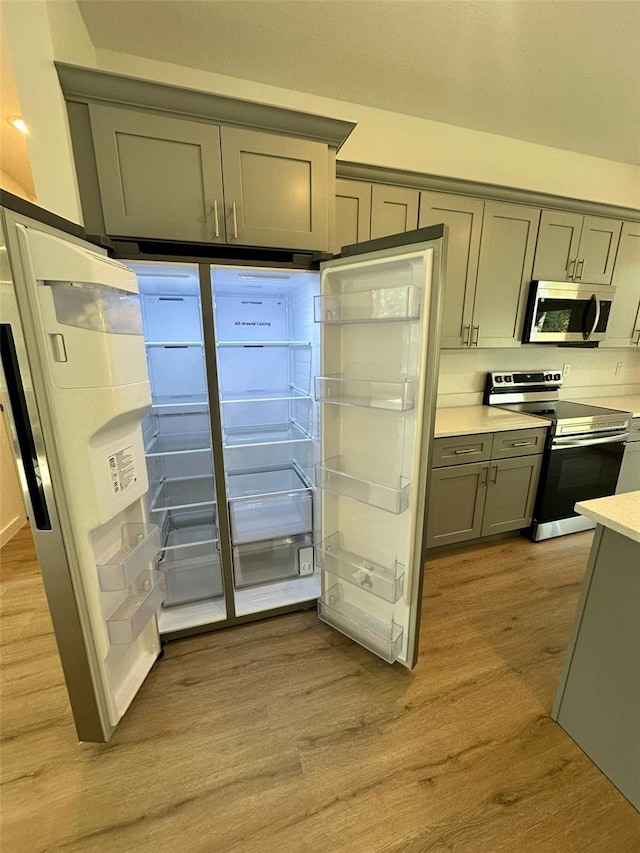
{"x":596,"y":319}
{"x":576,"y":441}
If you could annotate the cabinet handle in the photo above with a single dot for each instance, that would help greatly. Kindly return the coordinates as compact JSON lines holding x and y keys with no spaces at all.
{"x":571,"y":267}
{"x":465,"y":335}
{"x":485,"y":471}
{"x":235,"y":220}
{"x":216,"y":224}
{"x":460,"y":452}
{"x":475,"y":332}
{"x":495,"y":474}
{"x":521,"y":443}
{"x":579,"y":269}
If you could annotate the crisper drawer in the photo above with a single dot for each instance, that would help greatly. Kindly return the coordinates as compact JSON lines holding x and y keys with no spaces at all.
{"x":518,"y":442}
{"x":268,"y":505}
{"x":274,"y":560}
{"x":459,"y":449}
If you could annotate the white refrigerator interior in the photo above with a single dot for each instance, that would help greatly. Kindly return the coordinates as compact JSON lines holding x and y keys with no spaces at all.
{"x":375,"y":319}
{"x":90,"y":348}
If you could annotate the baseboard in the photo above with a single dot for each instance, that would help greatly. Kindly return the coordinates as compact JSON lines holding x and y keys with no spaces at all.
{"x":10,"y":530}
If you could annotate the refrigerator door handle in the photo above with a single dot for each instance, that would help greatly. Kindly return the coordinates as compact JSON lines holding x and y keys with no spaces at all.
{"x":26,"y":442}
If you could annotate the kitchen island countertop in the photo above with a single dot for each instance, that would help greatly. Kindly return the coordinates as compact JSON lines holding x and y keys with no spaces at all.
{"x":620,"y":513}
{"x":467,"y":420}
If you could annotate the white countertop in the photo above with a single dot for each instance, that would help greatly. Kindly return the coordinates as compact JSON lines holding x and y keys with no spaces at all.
{"x":623,"y":402}
{"x":467,"y":420}
{"x":620,"y":513}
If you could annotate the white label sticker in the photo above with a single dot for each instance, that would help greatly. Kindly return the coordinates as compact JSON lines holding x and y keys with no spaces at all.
{"x":122,"y":468}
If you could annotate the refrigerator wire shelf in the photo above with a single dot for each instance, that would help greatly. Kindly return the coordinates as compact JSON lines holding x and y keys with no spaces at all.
{"x":331,"y":476}
{"x":386,"y":582}
{"x":391,"y":396}
{"x":131,"y":617}
{"x":380,"y":637}
{"x":140,"y":546}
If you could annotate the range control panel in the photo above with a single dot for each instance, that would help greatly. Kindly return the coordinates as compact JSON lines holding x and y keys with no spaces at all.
{"x":548,"y":378}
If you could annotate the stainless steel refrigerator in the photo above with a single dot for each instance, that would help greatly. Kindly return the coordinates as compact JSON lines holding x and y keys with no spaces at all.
{"x":202,"y":444}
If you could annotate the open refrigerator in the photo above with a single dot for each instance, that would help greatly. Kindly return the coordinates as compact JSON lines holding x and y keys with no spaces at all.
{"x":203,"y":444}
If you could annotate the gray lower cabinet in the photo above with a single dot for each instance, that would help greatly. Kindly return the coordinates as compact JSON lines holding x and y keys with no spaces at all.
{"x":178,"y":179}
{"x":623,"y":328}
{"x":463,"y":217}
{"x":468,"y":500}
{"x":353,"y":213}
{"x":573,"y":247}
{"x":393,"y":210}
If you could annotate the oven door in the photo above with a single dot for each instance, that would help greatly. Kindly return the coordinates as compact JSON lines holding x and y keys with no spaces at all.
{"x":577,"y":469}
{"x":559,"y":312}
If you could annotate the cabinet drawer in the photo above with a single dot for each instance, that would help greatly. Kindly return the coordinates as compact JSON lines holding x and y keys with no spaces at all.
{"x":518,"y":442}
{"x":459,"y":449}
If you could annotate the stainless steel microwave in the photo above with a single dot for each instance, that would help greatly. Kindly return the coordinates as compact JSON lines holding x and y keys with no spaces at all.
{"x":563,"y":312}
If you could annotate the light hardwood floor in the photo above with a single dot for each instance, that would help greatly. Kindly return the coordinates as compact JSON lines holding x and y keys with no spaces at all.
{"x":284,"y":736}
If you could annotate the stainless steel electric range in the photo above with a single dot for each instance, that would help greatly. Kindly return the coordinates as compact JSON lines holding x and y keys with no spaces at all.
{"x":583,"y":452}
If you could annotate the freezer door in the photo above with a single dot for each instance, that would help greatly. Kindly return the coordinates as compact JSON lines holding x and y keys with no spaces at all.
{"x":75,"y":370}
{"x":380,"y":328}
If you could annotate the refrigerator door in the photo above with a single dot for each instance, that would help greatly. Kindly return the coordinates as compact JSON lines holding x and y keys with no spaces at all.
{"x":74,"y":366}
{"x":379,"y":313}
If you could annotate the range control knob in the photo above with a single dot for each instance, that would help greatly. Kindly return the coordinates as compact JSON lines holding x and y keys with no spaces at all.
{"x":498,"y":378}
{"x":508,"y":378}
{"x":557,"y":376}
{"x":548,"y":377}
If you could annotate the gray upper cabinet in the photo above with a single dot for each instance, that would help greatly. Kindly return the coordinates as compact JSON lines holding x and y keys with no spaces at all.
{"x":463,"y":217}
{"x":275,"y":190}
{"x":158,"y":176}
{"x":393,"y":210}
{"x":353,"y":213}
{"x":504,"y":272}
{"x":573,"y":247}
{"x":623,"y":329}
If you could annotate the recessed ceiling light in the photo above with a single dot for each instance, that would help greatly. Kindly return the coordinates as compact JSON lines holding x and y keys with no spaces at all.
{"x":18,"y":123}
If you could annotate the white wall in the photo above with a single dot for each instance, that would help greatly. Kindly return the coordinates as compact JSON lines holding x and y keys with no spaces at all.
{"x":418,"y":145}
{"x":592,"y":372}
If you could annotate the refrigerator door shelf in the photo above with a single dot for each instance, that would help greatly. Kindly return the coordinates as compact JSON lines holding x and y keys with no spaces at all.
{"x":273,"y":560}
{"x":184,"y":493}
{"x":393,"y":396}
{"x":386,"y":582}
{"x":392,"y":496}
{"x":290,"y":433}
{"x":140,"y":546}
{"x":379,"y":636}
{"x":128,"y":620}
{"x":174,"y":443}
{"x":268,"y":505}
{"x":381,"y":304}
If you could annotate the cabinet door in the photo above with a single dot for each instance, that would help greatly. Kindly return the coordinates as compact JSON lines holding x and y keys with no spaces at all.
{"x":276,"y":190}
{"x":159,"y":176}
{"x":510,"y":494}
{"x":557,"y":248}
{"x":623,"y":329}
{"x":598,"y":246}
{"x":504,"y":272}
{"x":353,"y":213}
{"x":456,"y":501}
{"x":463,"y":217}
{"x":393,"y":210}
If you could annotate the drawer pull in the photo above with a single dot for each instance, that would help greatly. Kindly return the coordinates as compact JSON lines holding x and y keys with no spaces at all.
{"x":521,"y":443}
{"x":469,"y":450}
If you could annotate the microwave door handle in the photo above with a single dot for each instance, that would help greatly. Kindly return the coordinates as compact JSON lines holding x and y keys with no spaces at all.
{"x":596,"y":319}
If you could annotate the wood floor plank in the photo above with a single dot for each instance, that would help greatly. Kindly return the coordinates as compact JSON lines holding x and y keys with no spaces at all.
{"x":284,"y":736}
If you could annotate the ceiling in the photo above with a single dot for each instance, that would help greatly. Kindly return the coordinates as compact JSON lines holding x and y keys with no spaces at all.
{"x":562,"y":73}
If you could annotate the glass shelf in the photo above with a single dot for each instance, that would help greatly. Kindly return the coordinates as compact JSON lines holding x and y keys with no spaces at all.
{"x":382,"y":638}
{"x":261,"y":435}
{"x":183,"y":493}
{"x":140,"y":545}
{"x":393,"y":396}
{"x":128,"y":620}
{"x":264,"y":396}
{"x":188,"y":401}
{"x":173,"y":344}
{"x":173,"y":443}
{"x":268,"y":505}
{"x":369,"y":306}
{"x":263,"y":343}
{"x":386,"y":582}
{"x":391,"y":496}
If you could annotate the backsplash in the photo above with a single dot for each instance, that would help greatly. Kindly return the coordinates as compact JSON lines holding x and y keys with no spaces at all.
{"x":592,"y":372}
